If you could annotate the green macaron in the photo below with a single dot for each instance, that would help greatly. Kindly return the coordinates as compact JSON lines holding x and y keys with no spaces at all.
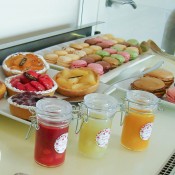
{"x":103,"y":53}
{"x":133,"y":42}
{"x":120,"y":58}
{"x":133,"y":54}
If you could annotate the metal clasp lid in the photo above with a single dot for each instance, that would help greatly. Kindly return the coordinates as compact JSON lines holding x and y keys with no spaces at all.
{"x":34,"y":123}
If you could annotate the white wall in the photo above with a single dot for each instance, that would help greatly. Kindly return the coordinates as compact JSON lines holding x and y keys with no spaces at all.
{"x":146,"y":22}
{"x":23,"y":16}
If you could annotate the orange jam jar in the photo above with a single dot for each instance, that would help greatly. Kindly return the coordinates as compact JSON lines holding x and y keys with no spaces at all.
{"x":138,"y":121}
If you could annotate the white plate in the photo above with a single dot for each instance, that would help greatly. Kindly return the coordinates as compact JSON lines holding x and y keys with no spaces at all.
{"x":105,"y":77}
{"x":4,"y":106}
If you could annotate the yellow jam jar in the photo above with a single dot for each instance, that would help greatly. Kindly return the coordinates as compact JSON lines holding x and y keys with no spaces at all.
{"x":97,"y":113}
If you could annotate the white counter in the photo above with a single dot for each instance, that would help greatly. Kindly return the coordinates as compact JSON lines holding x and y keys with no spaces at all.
{"x":16,"y":153}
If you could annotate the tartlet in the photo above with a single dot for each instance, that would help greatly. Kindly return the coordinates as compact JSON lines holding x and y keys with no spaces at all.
{"x":2,"y":89}
{"x":30,"y":81}
{"x":76,"y":82}
{"x":20,"y":62}
{"x":21,"y":105}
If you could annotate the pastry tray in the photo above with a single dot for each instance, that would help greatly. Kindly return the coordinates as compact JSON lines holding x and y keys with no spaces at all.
{"x":122,"y":87}
{"x":4,"y":106}
{"x":105,"y":77}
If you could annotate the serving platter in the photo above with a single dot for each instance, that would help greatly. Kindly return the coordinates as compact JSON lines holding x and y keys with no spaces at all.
{"x":105,"y":77}
{"x":124,"y":86}
{"x":4,"y":106}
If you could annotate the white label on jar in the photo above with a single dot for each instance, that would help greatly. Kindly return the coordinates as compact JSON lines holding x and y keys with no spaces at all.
{"x":102,"y":138}
{"x":145,"y":131}
{"x":61,"y":143}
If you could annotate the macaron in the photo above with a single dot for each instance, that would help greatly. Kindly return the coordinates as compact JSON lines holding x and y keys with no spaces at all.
{"x":51,"y":58}
{"x":95,"y":48}
{"x":133,"y":42}
{"x":96,"y":68}
{"x":133,"y":54}
{"x":103,"y":45}
{"x":120,"y":58}
{"x":60,"y":52}
{"x":78,"y":64}
{"x":106,"y":65}
{"x":170,"y":95}
{"x":166,"y":76}
{"x":149,"y":84}
{"x":68,"y":49}
{"x":95,"y":57}
{"x":119,"y":47}
{"x":112,"y":61}
{"x":110,"y":50}
{"x":126,"y":55}
{"x":88,"y":51}
{"x":80,"y":53}
{"x":88,"y":59}
{"x":103,"y":53}
{"x":91,"y":41}
{"x":77,"y":46}
{"x":132,"y":48}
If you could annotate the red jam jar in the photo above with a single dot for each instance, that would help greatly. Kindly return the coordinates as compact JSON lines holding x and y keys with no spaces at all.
{"x":53,"y":118}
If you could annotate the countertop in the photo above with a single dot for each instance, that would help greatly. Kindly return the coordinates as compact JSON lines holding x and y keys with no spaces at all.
{"x":17,"y":154}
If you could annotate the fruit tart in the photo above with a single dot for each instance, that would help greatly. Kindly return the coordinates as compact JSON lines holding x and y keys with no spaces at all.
{"x":76,"y":82}
{"x":22,"y":61}
{"x":2,"y":89}
{"x":21,"y":104}
{"x":30,"y":81}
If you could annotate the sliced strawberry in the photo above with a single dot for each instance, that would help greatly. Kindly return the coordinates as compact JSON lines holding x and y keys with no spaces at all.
{"x":24,"y":79}
{"x":20,"y":86}
{"x":37,"y":85}
{"x":46,"y":83}
{"x":31,"y":75}
{"x":46,"y":78}
{"x":14,"y":82}
{"x":29,"y":87}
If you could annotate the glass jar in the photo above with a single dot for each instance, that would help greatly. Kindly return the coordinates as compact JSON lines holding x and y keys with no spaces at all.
{"x":139,"y":118}
{"x":53,"y":118}
{"x":97,"y":113}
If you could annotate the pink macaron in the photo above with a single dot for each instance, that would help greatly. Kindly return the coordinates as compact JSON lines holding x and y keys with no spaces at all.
{"x":126,"y":55}
{"x":96,"y":68}
{"x":170,"y":95}
{"x":78,"y":64}
{"x":110,"y":50}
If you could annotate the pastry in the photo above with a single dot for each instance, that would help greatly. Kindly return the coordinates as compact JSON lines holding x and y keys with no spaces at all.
{"x":88,"y":50}
{"x":64,"y":61}
{"x":106,"y":65}
{"x":91,"y":41}
{"x":170,"y":95}
{"x":133,"y":42}
{"x":20,"y":62}
{"x":95,"y":57}
{"x":96,"y":68}
{"x":132,"y":48}
{"x":76,"y":82}
{"x":103,"y":53}
{"x":126,"y":55}
{"x":78,"y":64}
{"x":84,"y":45}
{"x":110,"y":50}
{"x":80,"y":53}
{"x":73,"y":56}
{"x":112,"y":61}
{"x":149,"y":84}
{"x":166,"y":76}
{"x":22,"y":104}
{"x":88,"y":59}
{"x":105,"y":44}
{"x":119,"y":47}
{"x":76,"y":46}
{"x":51,"y":58}
{"x":119,"y":40}
{"x":133,"y":54}
{"x":2,"y":89}
{"x":30,"y":81}
{"x":120,"y":58}
{"x":95,"y":48}
{"x":68,"y":49}
{"x":60,"y":52}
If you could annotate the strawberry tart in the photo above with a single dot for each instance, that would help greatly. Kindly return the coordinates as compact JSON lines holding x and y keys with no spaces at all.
{"x":30,"y":81}
{"x":22,"y":61}
{"x":21,"y":105}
